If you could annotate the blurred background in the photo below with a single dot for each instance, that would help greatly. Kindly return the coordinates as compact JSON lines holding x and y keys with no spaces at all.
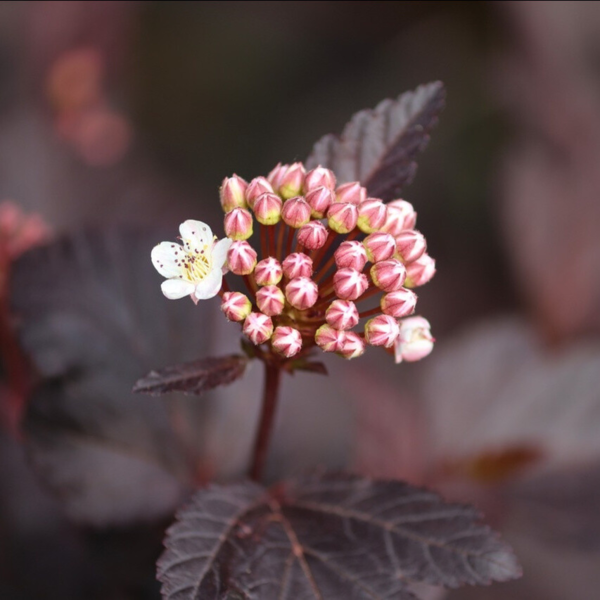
{"x":131,"y":113}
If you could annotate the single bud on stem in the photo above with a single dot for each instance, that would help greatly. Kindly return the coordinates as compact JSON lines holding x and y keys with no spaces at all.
{"x":241,"y":258}
{"x":270,"y":300}
{"x":319,"y":200}
{"x":420,"y":271}
{"x":267,"y":209}
{"x":238,"y":224}
{"x":286,"y":341}
{"x":319,"y":177}
{"x":342,"y":217}
{"x":351,"y":192}
{"x":258,"y":328}
{"x":349,"y":284}
{"x":256,"y":188}
{"x":296,"y":212}
{"x":379,"y":246}
{"x":276,"y":175}
{"x":297,"y":264}
{"x":400,"y":216}
{"x":268,"y":271}
{"x":372,"y":214}
{"x":350,"y":254}
{"x":399,"y":304}
{"x":232,"y":193}
{"x":351,"y":346}
{"x":236,"y":306}
{"x":410,"y":246}
{"x":292,"y":181}
{"x":388,"y":275}
{"x":302,"y":293}
{"x":382,"y":330}
{"x":415,"y":341}
{"x":313,"y":235}
{"x":342,"y":314}
{"x":329,"y":339}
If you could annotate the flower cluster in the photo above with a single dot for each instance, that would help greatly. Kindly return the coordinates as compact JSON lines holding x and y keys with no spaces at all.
{"x":324,"y":249}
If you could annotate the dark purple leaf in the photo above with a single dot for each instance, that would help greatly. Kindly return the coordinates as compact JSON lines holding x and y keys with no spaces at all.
{"x":378,"y":147}
{"x":193,"y":378}
{"x":325,"y":537}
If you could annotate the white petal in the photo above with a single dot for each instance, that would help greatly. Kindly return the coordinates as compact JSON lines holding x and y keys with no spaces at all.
{"x":174,"y":289}
{"x":164,"y":256}
{"x":196,"y":234}
{"x":210,"y":285}
{"x":219,"y":253}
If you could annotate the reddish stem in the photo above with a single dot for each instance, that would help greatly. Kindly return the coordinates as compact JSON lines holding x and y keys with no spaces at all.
{"x":272,"y":251}
{"x":280,"y":236}
{"x":373,"y":311}
{"x":263,"y":241}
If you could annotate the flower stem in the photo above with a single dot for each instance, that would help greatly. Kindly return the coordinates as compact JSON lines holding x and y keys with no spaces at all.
{"x":267,"y":418}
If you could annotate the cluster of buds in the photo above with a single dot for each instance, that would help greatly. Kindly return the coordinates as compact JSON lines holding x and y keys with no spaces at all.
{"x":324,"y":250}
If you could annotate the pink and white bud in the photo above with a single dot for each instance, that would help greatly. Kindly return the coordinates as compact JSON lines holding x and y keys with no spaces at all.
{"x":267,"y":208}
{"x":342,"y":314}
{"x":372,"y":214}
{"x":258,"y":328}
{"x":415,"y":341}
{"x":399,"y":304}
{"x":351,"y":192}
{"x":241,"y":258}
{"x":236,"y":306}
{"x":350,"y":254}
{"x":296,"y":212}
{"x":388,"y":275}
{"x":270,"y":300}
{"x":330,"y":339}
{"x":292,"y":181}
{"x":349,"y":284}
{"x":319,"y":177}
{"x":268,"y":271}
{"x":382,"y":330}
{"x":276,"y":175}
{"x":379,"y":246}
{"x":319,"y":200}
{"x":352,"y":346}
{"x":400,"y":216}
{"x":410,"y":245}
{"x":286,"y":341}
{"x":256,"y":188}
{"x":233,"y":193}
{"x":313,"y":235}
{"x":297,"y":264}
{"x":342,"y":217}
{"x":420,"y":271}
{"x":302,"y":292}
{"x":238,"y":224}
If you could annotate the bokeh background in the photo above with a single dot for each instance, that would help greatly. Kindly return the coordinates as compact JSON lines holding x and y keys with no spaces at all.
{"x":131,"y":113}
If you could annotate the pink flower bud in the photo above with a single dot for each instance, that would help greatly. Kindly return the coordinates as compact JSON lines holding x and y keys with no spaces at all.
{"x":330,"y":339}
{"x":292,"y":181}
{"x":351,"y":346}
{"x":268,"y":272}
{"x":410,"y":245}
{"x":257,"y":187}
{"x":415,"y":341}
{"x":400,"y":216}
{"x":379,"y":246}
{"x":351,"y":192}
{"x":302,"y":292}
{"x":342,"y":314}
{"x":382,"y":330}
{"x":258,"y":328}
{"x":235,"y":306}
{"x":399,"y":304}
{"x":349,"y":284}
{"x":238,"y":224}
{"x":232,"y":193}
{"x":267,"y":208}
{"x":319,"y":200}
{"x":276,"y":175}
{"x":420,"y":271}
{"x":388,"y":275}
{"x":350,"y":254}
{"x":372,"y":214}
{"x":241,"y":258}
{"x":297,"y":264}
{"x":342,"y":217}
{"x":270,"y":300}
{"x":286,"y":341}
{"x":296,"y":212}
{"x":319,"y":177}
{"x":313,"y":235}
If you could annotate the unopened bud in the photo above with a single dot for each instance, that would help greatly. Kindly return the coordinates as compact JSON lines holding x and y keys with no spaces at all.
{"x":329,"y":339}
{"x":349,"y":284}
{"x":379,"y":246}
{"x":238,"y":224}
{"x":241,"y":258}
{"x":292,"y":181}
{"x":415,"y":341}
{"x":342,"y":314}
{"x":399,"y":304}
{"x":257,"y":187}
{"x":410,"y":245}
{"x":302,"y":292}
{"x":258,"y":328}
{"x":319,"y":177}
{"x":296,"y":212}
{"x":351,"y":192}
{"x":236,"y":306}
{"x":420,"y":271}
{"x":286,"y":341}
{"x":400,"y":216}
{"x":342,"y":217}
{"x":313,"y":235}
{"x":350,"y":254}
{"x":388,"y":275}
{"x":351,"y":346}
{"x":382,"y":330}
{"x":267,"y":208}
{"x":276,"y":175}
{"x":319,"y":200}
{"x":297,"y":264}
{"x":232,"y":193}
{"x":268,"y":271}
{"x":372,"y":214}
{"x":270,"y":300}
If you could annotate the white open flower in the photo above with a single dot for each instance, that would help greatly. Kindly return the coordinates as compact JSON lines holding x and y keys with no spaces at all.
{"x":195,"y":268}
